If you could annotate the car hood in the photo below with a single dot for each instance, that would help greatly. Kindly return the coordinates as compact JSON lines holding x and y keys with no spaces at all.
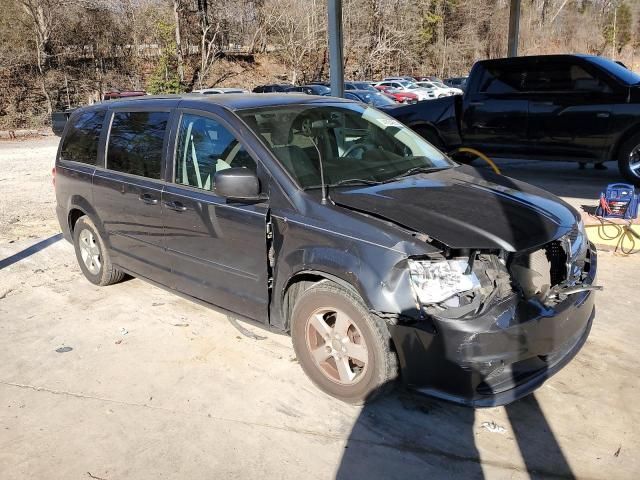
{"x":462,"y":207}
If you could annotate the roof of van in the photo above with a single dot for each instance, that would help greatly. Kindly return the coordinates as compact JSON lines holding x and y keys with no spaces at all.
{"x":233,"y":101}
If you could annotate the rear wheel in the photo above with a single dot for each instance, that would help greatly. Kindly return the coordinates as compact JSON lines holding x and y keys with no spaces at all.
{"x":343,"y":348}
{"x":629,"y":160}
{"x":92,"y":254}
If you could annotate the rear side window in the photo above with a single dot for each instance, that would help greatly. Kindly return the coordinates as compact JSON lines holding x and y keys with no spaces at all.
{"x":81,"y":142}
{"x":502,"y":78}
{"x":135,"y":143}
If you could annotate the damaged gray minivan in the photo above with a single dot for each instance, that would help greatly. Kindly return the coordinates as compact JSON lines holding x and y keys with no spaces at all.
{"x":331,"y":221}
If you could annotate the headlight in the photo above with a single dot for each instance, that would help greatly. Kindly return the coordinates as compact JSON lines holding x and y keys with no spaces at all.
{"x":436,"y":281}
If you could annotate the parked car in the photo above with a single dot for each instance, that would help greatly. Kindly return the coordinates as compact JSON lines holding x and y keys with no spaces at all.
{"x":220,"y":90}
{"x":312,"y":89}
{"x":439,"y":90}
{"x":375,"y":98}
{"x":402,"y":79}
{"x":335,"y":223}
{"x":400,"y":96}
{"x":272,"y":88}
{"x":580,"y":108}
{"x":360,"y":85}
{"x":430,"y":78}
{"x":404,"y":86}
{"x":456,"y":82}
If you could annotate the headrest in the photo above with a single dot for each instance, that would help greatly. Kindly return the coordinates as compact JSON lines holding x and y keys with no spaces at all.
{"x":281,"y":135}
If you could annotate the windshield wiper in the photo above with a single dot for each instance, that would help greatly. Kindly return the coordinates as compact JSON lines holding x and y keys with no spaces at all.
{"x":414,"y":171}
{"x":355,"y":181}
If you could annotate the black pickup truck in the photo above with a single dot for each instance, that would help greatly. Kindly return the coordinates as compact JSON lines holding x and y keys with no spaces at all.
{"x":555,"y":107}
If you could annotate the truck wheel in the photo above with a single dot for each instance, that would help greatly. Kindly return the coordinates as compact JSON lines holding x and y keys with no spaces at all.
{"x":430,"y":135}
{"x":92,"y":254}
{"x":343,"y":349}
{"x":629,"y":160}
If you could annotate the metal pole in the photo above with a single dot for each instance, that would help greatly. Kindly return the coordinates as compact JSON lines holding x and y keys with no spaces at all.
{"x":514,"y":28}
{"x":335,"y":48}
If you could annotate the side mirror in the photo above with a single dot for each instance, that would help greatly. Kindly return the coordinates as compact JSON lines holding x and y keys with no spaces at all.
{"x":237,"y":184}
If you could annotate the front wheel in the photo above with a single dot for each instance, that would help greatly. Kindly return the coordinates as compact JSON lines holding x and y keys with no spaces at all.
{"x":629,"y":160}
{"x":343,"y":349}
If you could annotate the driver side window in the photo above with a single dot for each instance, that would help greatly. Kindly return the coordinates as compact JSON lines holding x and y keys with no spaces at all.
{"x":205,"y":147}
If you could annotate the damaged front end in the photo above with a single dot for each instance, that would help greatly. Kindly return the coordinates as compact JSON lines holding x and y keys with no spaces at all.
{"x":497,"y":324}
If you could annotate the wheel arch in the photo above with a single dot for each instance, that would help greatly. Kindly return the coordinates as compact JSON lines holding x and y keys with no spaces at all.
{"x":80,"y":206}
{"x":300,"y":282}
{"x":626,"y":135}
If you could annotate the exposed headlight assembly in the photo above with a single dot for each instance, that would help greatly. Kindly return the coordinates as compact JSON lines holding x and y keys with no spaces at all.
{"x":437,"y":281}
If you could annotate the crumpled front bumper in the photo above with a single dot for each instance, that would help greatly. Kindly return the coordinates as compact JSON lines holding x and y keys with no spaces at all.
{"x":499,"y":356}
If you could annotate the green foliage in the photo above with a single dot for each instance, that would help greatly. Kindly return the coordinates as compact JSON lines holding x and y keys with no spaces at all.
{"x":430,"y":24}
{"x":617,"y":28}
{"x":165,"y":77}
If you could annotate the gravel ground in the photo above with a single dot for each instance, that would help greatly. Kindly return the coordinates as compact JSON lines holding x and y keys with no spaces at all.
{"x":27,"y":199}
{"x":130,"y":381}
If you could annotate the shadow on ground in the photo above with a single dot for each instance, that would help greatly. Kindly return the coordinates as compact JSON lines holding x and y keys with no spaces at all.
{"x":27,"y":252}
{"x":405,"y":436}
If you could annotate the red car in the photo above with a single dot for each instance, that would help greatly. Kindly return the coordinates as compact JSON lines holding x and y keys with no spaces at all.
{"x":398,"y":95}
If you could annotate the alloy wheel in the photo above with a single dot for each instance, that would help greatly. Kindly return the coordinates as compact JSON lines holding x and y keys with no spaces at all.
{"x":634,"y":161}
{"x":337,"y":346}
{"x":90,"y":251}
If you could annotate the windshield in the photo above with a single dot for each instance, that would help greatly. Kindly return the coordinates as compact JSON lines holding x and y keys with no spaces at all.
{"x":357,"y":144}
{"x":621,"y":73}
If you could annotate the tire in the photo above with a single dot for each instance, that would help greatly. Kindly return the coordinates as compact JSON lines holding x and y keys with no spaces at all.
{"x":629,"y":160}
{"x":92,"y":255}
{"x":430,"y":135}
{"x":363,"y":377}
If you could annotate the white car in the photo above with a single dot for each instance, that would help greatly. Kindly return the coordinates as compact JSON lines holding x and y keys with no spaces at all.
{"x":217,"y":91}
{"x":404,"y":86}
{"x":439,"y":89}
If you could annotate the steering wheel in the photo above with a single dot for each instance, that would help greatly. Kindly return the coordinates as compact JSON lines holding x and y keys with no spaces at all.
{"x":358,"y":146}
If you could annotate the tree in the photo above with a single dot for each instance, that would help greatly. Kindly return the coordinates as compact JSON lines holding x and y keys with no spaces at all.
{"x":40,"y":13}
{"x":617,"y":29}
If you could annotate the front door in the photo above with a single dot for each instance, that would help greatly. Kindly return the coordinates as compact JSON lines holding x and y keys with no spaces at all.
{"x":495,"y":112}
{"x":218,"y":249}
{"x":569,"y":110}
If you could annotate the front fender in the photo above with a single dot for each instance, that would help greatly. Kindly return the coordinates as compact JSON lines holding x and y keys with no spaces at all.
{"x":378,"y":274}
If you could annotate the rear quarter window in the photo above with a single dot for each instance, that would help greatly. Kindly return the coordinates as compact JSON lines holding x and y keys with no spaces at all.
{"x":135,"y":143}
{"x":80,"y":144}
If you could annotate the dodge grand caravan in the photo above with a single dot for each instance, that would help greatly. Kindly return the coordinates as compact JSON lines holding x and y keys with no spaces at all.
{"x":328,"y":220}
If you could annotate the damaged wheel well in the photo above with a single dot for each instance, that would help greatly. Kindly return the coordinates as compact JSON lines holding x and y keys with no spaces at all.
{"x":301,"y":282}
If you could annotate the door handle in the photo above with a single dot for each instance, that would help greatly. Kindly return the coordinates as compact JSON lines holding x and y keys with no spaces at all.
{"x":603,"y":115}
{"x":476,"y":104}
{"x":176,"y":206}
{"x":543,"y":103}
{"x":148,"y":199}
